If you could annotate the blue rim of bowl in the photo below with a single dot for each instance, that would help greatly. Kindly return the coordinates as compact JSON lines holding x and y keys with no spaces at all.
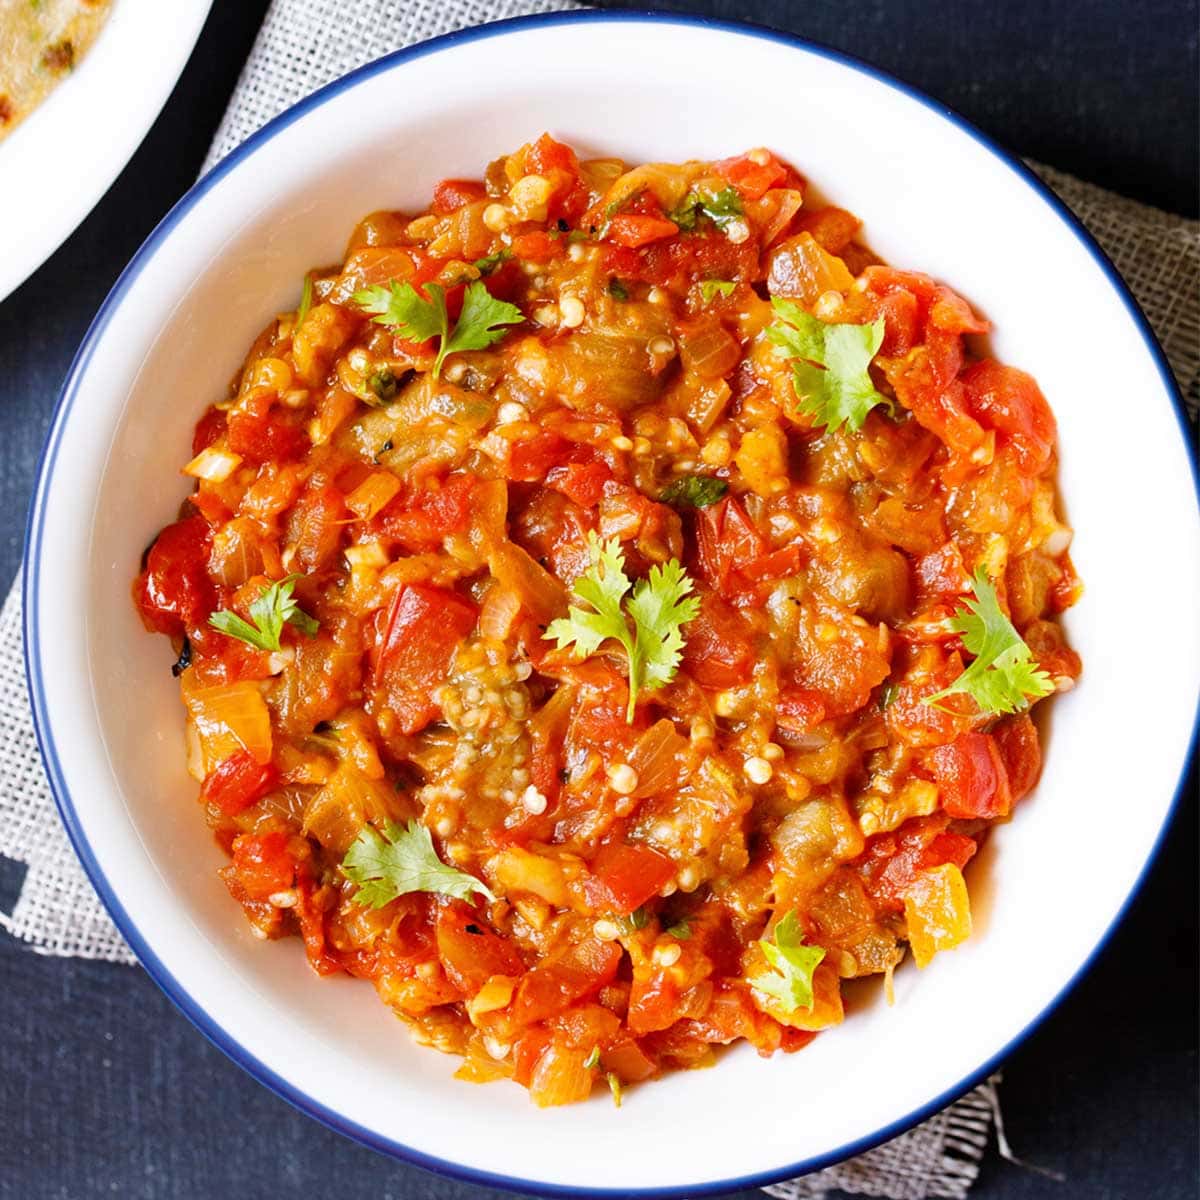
{"x":155,"y":968}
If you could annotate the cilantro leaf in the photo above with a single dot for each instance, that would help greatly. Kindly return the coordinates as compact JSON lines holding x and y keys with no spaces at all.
{"x":659,"y":605}
{"x":405,"y":311}
{"x":479,"y":321}
{"x":694,"y":491}
{"x":719,"y":207}
{"x":716,"y":287}
{"x":400,"y":861}
{"x":1003,"y":678}
{"x":829,"y":373}
{"x":603,"y":585}
{"x":305,"y":301}
{"x":274,"y":608}
{"x":418,"y":318}
{"x":789,"y":983}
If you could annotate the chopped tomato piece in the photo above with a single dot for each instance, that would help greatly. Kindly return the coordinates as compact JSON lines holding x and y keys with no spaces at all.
{"x":209,"y":429}
{"x":261,"y":433}
{"x":635,"y":229}
{"x":547,"y":154}
{"x":559,"y":164}
{"x":1009,"y":401}
{"x":1017,"y":738}
{"x":537,"y":247}
{"x":727,"y":542}
{"x":971,"y":777}
{"x":799,"y":709}
{"x":892,"y":861}
{"x":530,"y":460}
{"x":310,"y":916}
{"x":950,"y":313}
{"x":718,"y":651}
{"x":581,"y":482}
{"x":422,"y":516}
{"x":237,"y":782}
{"x":263,"y":864}
{"x":653,"y":1002}
{"x":422,"y":630}
{"x":452,"y":194}
{"x":528,"y":1049}
{"x":627,"y":876}
{"x":470,"y":950}
{"x":174,"y":592}
{"x":779,"y":564}
{"x":580,"y":970}
{"x":942,"y":573}
{"x":750,"y":177}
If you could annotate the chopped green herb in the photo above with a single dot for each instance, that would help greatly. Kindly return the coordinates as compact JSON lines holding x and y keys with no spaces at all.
{"x":719,"y":207}
{"x":383,"y":383}
{"x":888,"y":694}
{"x":400,"y":861}
{"x":829,"y":365}
{"x":274,"y":608}
{"x":306,"y":294}
{"x":681,"y":931}
{"x":1003,"y":678}
{"x":659,"y":605}
{"x":617,"y":290}
{"x":633,"y":921}
{"x":485,"y":266}
{"x":593,"y":1059}
{"x":614,"y":1086}
{"x":789,"y":983}
{"x":716,"y":287}
{"x":694,"y":491}
{"x":418,"y":318}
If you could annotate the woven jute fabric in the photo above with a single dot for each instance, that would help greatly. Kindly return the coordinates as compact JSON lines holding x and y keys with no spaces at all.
{"x":304,"y":44}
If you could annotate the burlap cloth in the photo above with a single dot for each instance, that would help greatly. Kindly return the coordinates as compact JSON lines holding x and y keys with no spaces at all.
{"x":302,"y":45}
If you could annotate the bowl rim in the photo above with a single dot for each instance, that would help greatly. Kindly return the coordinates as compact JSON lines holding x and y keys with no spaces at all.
{"x":221,"y":1037}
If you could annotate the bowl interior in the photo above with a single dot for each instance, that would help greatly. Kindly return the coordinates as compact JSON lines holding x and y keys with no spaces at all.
{"x":934,"y":199}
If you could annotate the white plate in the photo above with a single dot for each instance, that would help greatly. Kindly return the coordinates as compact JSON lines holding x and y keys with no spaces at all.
{"x":935,"y":196}
{"x":62,"y":158}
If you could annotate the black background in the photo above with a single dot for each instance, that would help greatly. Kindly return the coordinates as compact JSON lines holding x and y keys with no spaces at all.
{"x":105,"y":1090}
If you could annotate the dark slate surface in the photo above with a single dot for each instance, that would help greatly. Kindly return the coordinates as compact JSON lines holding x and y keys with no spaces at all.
{"x":105,"y":1090}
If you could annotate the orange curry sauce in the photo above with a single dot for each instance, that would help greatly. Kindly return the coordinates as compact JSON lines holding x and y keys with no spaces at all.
{"x":433,"y":515}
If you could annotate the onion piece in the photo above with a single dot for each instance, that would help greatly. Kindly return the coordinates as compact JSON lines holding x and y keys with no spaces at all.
{"x":801,"y":270}
{"x":337,"y":813}
{"x":229,"y":718}
{"x":660,"y":759}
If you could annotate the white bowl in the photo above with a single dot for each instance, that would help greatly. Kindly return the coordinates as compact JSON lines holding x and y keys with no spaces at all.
{"x":62,"y":158}
{"x":936,"y":196}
